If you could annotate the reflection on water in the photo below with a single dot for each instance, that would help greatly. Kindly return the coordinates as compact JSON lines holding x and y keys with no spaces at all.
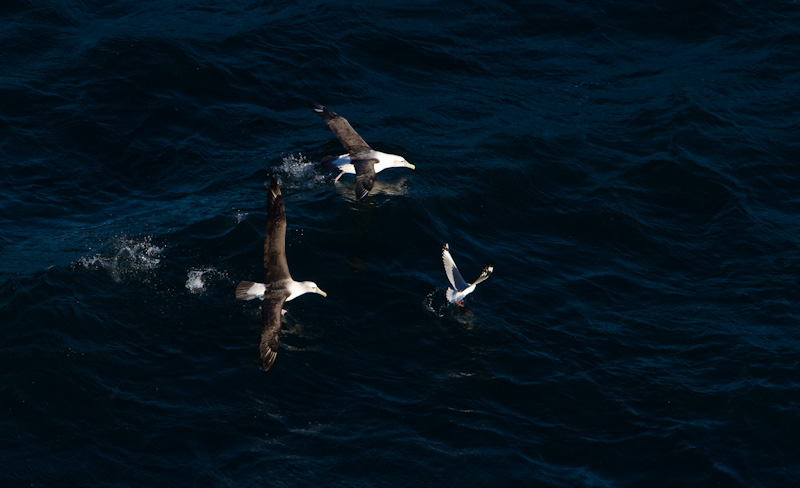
{"x":346,"y":184}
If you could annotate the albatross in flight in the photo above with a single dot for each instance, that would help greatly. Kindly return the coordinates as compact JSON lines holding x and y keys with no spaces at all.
{"x":279,"y":287}
{"x":360,"y":159}
{"x":460,"y":288}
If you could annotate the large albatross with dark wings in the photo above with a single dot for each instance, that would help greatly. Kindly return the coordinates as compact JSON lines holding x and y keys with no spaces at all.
{"x":278,"y":287}
{"x":361,"y":160}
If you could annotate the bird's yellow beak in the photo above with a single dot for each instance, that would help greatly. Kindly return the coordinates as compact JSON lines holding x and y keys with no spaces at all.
{"x":319,"y":290}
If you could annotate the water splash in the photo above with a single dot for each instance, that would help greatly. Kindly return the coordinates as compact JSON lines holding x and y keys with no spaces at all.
{"x":296,"y":171}
{"x":198,"y":279}
{"x":436,"y":303}
{"x":125,"y":257}
{"x":194,"y":281}
{"x":433,"y":303}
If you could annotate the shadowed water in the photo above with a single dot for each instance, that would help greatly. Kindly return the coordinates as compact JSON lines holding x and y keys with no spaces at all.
{"x":627,"y":169}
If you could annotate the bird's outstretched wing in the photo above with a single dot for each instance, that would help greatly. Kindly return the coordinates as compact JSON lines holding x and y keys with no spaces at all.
{"x":451,"y":270}
{"x":484,"y":274}
{"x":271,"y":331}
{"x":275,"y":238}
{"x":349,"y":138}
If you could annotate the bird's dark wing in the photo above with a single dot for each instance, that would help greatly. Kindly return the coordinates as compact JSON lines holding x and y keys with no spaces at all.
{"x":349,"y":138}
{"x":275,"y":239}
{"x":271,"y":331}
{"x":365,"y":176}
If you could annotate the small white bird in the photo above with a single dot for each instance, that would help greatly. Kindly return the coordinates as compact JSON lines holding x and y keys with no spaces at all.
{"x":460,"y":288}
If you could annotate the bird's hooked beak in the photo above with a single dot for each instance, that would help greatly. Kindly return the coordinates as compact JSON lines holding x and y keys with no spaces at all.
{"x":319,"y":290}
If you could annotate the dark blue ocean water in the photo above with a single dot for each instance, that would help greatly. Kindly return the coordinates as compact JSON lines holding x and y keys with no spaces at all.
{"x":630,"y":170}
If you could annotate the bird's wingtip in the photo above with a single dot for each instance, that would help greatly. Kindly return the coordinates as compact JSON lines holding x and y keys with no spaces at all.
{"x":361,"y":191}
{"x":273,"y":186}
{"x":273,"y":193}
{"x":269,"y":359}
{"x":487,"y":271}
{"x":316,"y":107}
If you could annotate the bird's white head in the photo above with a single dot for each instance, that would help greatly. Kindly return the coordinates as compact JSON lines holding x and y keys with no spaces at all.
{"x":313,"y":288}
{"x":405,"y":164}
{"x":297,"y":288}
{"x":391,"y":161}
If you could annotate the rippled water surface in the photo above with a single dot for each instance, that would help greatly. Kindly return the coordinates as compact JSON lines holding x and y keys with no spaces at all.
{"x":629,"y":170}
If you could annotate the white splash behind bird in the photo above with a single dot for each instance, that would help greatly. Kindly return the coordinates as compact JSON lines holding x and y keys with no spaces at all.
{"x":460,"y":288}
{"x":360,"y":160}
{"x":278,"y":287}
